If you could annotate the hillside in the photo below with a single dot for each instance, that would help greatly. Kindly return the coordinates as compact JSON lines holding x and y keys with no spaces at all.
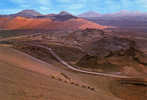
{"x":96,"y":50}
{"x":27,"y":13}
{"x":64,"y":57}
{"x":21,"y":80}
{"x":22,"y":23}
{"x":56,"y":79}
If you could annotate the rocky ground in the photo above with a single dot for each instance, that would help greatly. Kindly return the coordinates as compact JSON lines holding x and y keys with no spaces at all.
{"x":91,"y":50}
{"x":95,"y":49}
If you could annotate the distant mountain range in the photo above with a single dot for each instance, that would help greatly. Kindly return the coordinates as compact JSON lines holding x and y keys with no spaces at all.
{"x":136,"y":21}
{"x":62,"y":16}
{"x":32,"y":20}
{"x":123,"y":19}
{"x":89,"y":14}
{"x":123,"y":13}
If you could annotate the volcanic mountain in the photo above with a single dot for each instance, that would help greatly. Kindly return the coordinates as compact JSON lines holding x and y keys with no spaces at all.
{"x":33,"y":20}
{"x":24,"y":13}
{"x":23,"y":23}
{"x":62,"y":16}
{"x":28,"y":13}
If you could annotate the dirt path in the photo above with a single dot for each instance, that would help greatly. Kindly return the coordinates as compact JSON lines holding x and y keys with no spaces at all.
{"x":78,"y":70}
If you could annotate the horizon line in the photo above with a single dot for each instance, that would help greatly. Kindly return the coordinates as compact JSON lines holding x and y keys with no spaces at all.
{"x":137,"y":11}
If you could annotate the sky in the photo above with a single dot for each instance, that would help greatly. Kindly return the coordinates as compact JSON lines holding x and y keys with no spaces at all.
{"x":73,"y":6}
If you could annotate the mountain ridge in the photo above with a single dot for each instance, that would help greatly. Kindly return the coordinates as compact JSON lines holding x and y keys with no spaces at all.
{"x":121,"y":13}
{"x":23,"y":23}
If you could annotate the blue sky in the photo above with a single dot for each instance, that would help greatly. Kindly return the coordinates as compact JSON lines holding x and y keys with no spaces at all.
{"x":72,"y":6}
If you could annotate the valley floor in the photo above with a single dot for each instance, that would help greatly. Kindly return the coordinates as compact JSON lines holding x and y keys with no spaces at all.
{"x":25,"y":77}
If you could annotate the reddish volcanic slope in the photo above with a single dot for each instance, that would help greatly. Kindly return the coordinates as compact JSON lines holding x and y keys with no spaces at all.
{"x":26,"y":23}
{"x":3,"y":22}
{"x":21,"y":23}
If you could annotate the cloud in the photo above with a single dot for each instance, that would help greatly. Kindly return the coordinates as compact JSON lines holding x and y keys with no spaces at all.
{"x":19,"y":1}
{"x":71,"y":5}
{"x":142,"y":3}
{"x":44,"y":10}
{"x":32,"y":3}
{"x":44,"y":2}
{"x":9,"y":11}
{"x":77,"y":6}
{"x":64,"y":1}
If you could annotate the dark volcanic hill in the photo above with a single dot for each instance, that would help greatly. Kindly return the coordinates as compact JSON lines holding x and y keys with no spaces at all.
{"x":27,"y":13}
{"x":113,"y":54}
{"x":106,"y":52}
{"x":62,"y":16}
{"x":24,"y":13}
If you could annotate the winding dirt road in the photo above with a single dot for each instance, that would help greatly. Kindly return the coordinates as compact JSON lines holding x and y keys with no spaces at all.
{"x":75,"y":69}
